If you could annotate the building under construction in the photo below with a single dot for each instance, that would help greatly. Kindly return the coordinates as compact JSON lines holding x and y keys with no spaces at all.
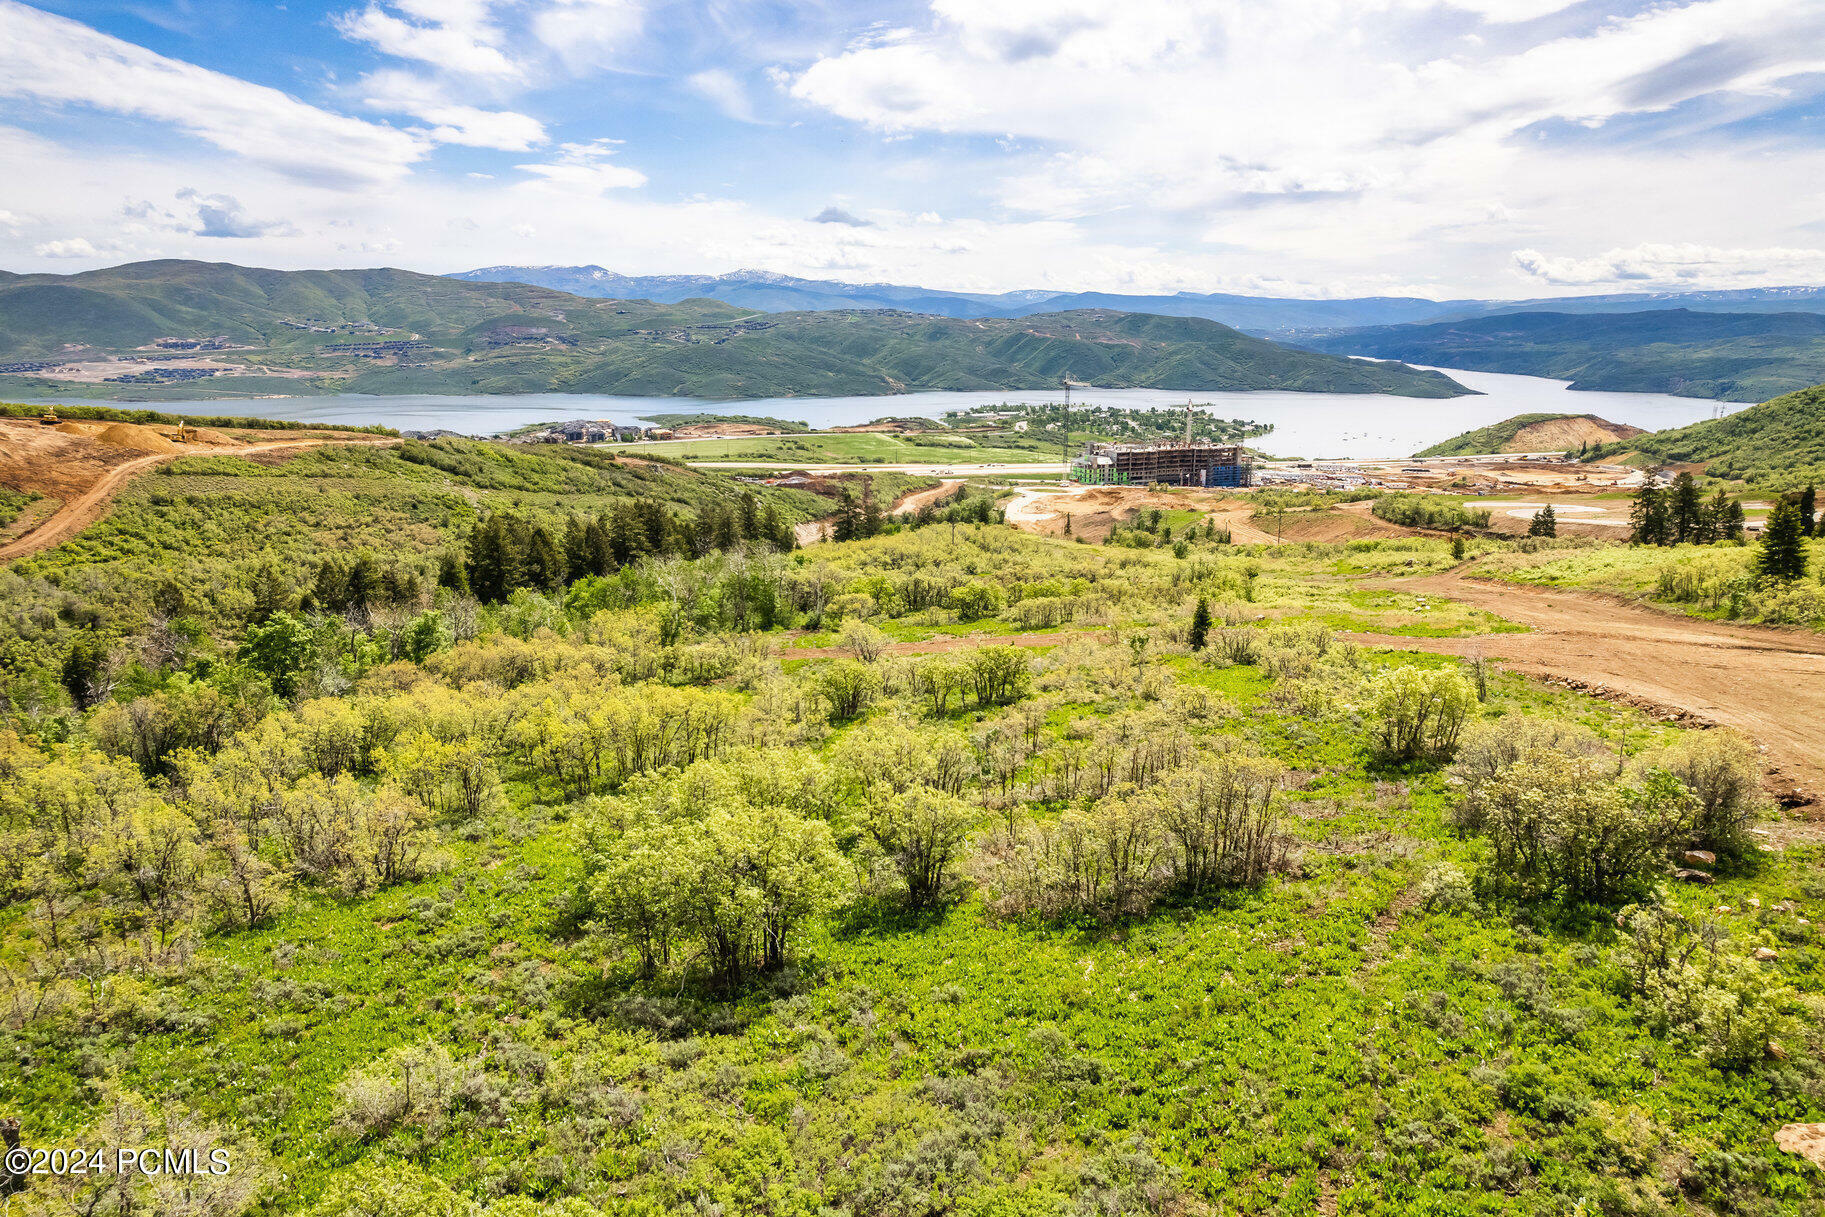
{"x":1174,"y":463}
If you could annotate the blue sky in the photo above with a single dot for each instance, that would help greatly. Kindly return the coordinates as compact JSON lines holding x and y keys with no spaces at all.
{"x":1299,"y":147}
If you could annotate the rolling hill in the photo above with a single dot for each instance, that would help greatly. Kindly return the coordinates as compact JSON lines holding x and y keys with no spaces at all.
{"x":1269,"y":315}
{"x":1535,"y":433}
{"x":1779,"y":440}
{"x":1729,"y":356}
{"x":393,"y":331}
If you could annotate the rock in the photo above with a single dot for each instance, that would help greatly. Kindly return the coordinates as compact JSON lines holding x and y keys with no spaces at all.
{"x":1700,"y":857}
{"x":1785,"y":906}
{"x":1776,"y":1051}
{"x":1722,"y":910}
{"x":1806,"y":1140}
{"x":1753,"y":903}
{"x":1685,"y":875}
{"x":1767,"y":954}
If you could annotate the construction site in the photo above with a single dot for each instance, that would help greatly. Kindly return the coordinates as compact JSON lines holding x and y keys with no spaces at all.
{"x":1171,"y":463}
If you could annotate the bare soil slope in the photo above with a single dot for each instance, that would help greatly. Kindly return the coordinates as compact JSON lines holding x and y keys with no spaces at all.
{"x":82,"y":465}
{"x":1565,"y":434}
{"x":1769,"y":684}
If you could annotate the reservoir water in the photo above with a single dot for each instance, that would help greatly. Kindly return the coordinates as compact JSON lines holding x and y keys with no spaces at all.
{"x":1305,"y":424}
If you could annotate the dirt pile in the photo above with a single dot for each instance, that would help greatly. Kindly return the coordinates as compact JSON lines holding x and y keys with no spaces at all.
{"x":1568,"y":434}
{"x":136,"y":437}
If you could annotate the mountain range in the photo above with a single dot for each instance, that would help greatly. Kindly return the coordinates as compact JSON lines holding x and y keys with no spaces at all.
{"x":395,"y":331}
{"x":1267,"y":315}
{"x":1727,"y":356}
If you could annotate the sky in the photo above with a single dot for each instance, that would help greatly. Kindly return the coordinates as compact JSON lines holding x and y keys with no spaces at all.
{"x":1441,"y":148}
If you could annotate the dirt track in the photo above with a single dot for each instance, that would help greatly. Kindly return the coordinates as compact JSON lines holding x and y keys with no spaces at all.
{"x":1767,"y":683}
{"x":83,"y":510}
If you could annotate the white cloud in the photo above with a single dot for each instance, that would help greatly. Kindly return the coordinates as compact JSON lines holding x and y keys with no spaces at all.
{"x":451,"y":122}
{"x":587,"y":34}
{"x":720,"y":86}
{"x":69,"y":247}
{"x":1342,"y":134}
{"x":457,"y":37}
{"x":1675,"y":266}
{"x":585,"y":169}
{"x":56,"y":61}
{"x":221,"y":215}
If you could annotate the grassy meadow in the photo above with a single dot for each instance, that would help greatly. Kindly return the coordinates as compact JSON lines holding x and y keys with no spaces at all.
{"x":775,"y":882}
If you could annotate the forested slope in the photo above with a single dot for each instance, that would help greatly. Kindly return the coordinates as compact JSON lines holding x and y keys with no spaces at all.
{"x":390,"y":331}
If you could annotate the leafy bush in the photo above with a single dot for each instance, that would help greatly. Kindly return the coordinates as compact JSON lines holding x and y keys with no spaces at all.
{"x":1563,"y":823}
{"x":1419,"y":712}
{"x":1691,"y":982}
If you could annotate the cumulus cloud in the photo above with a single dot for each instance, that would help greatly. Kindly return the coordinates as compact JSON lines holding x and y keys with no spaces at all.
{"x":68,"y":247}
{"x":57,"y":61}
{"x":1675,"y":266}
{"x":221,"y":215}
{"x":836,"y":215}
{"x":1318,"y":129}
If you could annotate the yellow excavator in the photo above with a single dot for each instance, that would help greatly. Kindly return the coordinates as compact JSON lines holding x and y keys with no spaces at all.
{"x":50,"y":417}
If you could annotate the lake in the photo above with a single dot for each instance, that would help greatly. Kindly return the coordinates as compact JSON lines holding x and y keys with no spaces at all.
{"x":1305,"y":424}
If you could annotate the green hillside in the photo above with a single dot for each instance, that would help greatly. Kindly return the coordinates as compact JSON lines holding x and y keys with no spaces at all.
{"x":391,"y":331}
{"x":1493,"y":438}
{"x":1728,"y":356}
{"x":1783,"y":439}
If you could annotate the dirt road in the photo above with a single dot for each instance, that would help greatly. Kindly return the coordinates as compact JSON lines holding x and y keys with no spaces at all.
{"x":89,"y":506}
{"x":1767,"y":683}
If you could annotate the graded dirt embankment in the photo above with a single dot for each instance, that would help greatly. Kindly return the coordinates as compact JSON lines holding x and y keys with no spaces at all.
{"x":84,"y":464}
{"x":1565,"y":434}
{"x":1767,"y":683}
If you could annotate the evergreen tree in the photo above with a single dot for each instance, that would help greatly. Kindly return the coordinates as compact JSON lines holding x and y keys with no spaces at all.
{"x":848,"y":518}
{"x":869,"y":525}
{"x":599,"y":552}
{"x":748,"y":517}
{"x":450,"y":574}
{"x":1732,"y":526}
{"x":1200,"y":625}
{"x":1685,"y":511}
{"x":1648,"y":518}
{"x":1783,"y":552}
{"x":330,"y":592}
{"x":1068,"y":529}
{"x":365,"y":585}
{"x":1715,"y":524}
{"x":1544,"y":524}
{"x":544,"y":564}
{"x":576,"y":549}
{"x":271,"y":594}
{"x":82,"y":673}
{"x":625,"y":534}
{"x":1809,"y":506}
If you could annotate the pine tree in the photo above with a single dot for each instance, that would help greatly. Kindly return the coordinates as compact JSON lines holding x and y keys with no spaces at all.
{"x":1687,"y":515}
{"x":271,"y":595}
{"x":1783,"y":552}
{"x":848,"y":519}
{"x":1200,"y":625}
{"x":869,"y":524}
{"x":1648,"y":519}
{"x":1544,"y":524}
{"x":749,"y":520}
{"x":1716,"y":518}
{"x":544,"y":564}
{"x":451,"y":575}
{"x":1809,"y":506}
{"x":599,"y":552}
{"x":1067,"y":523}
{"x":576,"y":548}
{"x":1732,"y":527}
